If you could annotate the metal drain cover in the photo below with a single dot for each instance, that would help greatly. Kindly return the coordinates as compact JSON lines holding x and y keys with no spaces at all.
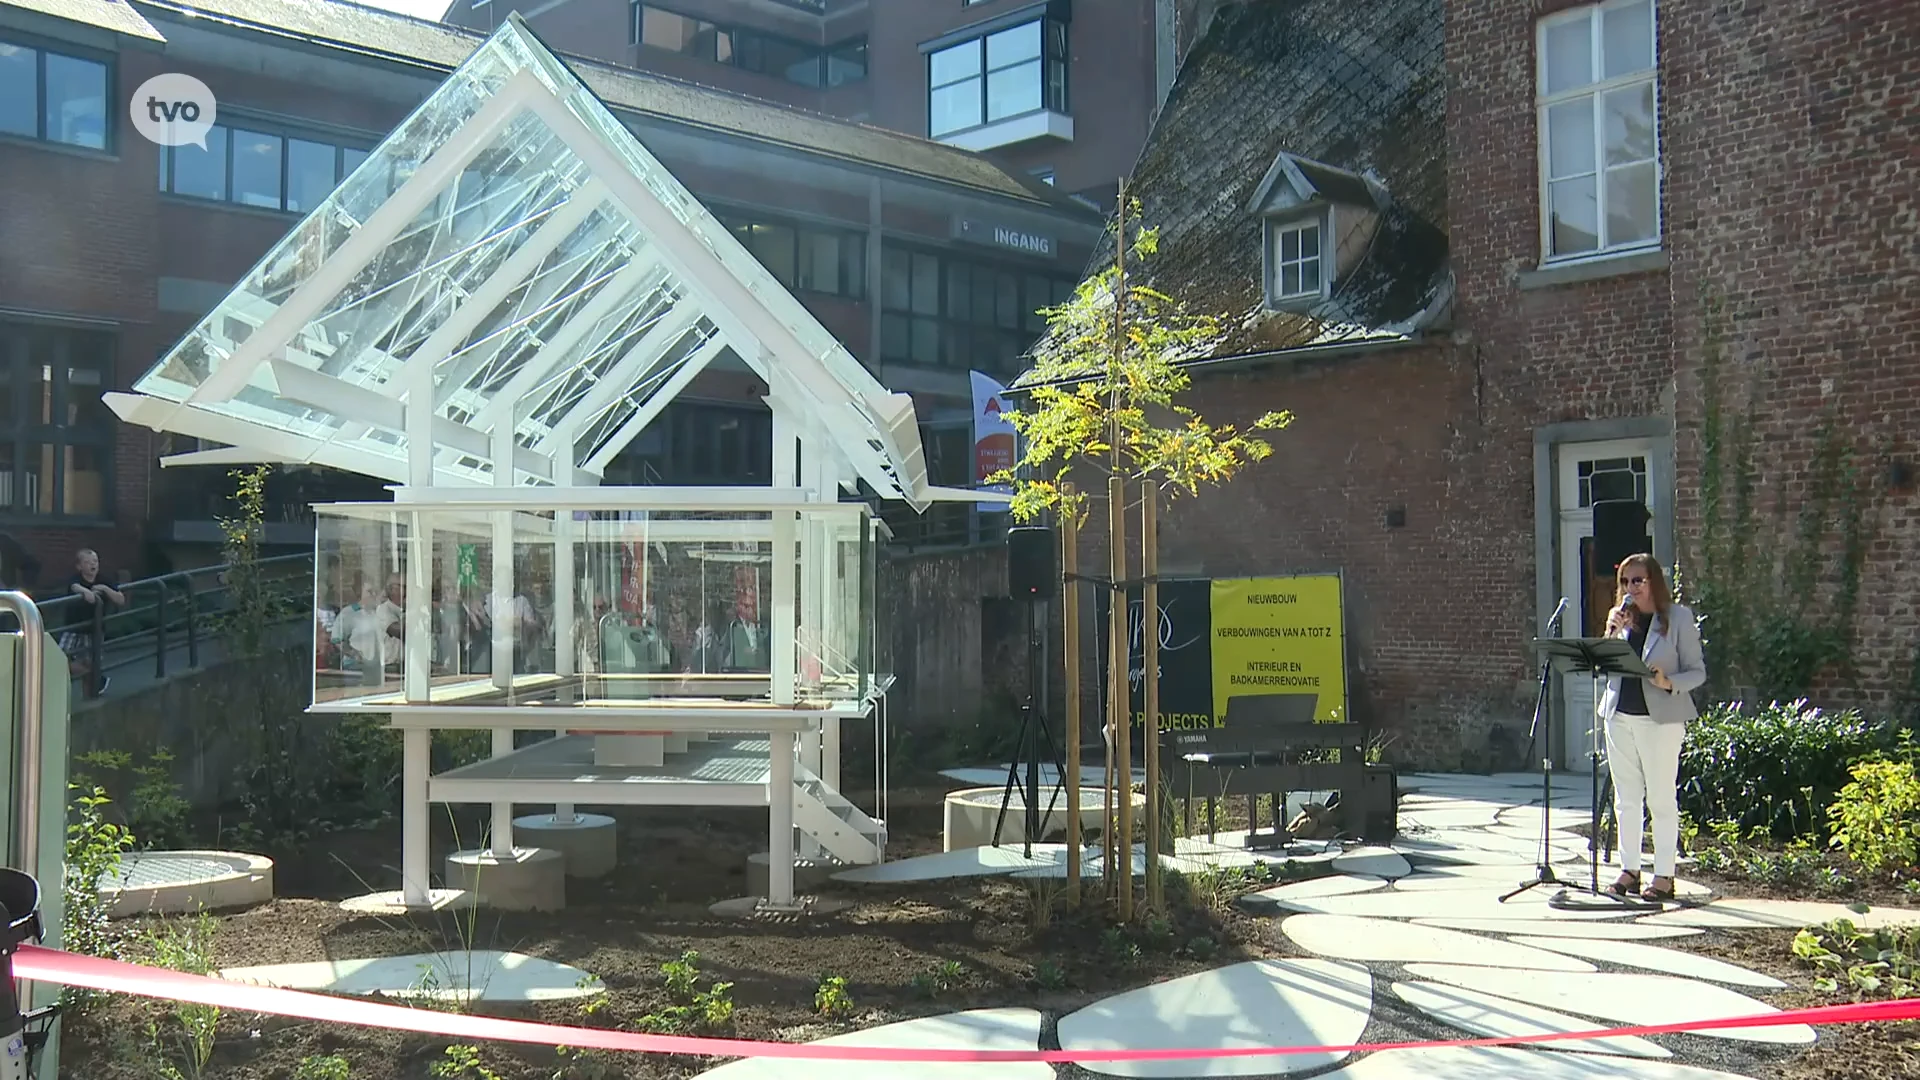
{"x":159,"y":869}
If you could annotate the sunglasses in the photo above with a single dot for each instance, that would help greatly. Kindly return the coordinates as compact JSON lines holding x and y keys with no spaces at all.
{"x":1633,"y":581}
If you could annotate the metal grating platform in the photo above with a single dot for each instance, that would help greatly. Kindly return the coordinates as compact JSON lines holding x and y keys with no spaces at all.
{"x":731,"y":771}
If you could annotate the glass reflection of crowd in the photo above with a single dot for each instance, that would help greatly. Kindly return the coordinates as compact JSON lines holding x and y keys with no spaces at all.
{"x":360,"y":622}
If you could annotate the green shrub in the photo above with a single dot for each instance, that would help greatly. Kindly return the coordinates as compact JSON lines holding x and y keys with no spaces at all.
{"x":1876,"y":818}
{"x":1776,"y":768}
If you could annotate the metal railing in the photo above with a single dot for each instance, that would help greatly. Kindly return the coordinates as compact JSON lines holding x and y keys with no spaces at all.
{"x":182,"y":612}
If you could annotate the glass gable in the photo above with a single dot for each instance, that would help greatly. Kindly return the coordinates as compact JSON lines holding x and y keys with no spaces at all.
{"x":514,"y":251}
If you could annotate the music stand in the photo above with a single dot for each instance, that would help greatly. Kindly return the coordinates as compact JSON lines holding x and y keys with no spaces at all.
{"x":1601,"y":658}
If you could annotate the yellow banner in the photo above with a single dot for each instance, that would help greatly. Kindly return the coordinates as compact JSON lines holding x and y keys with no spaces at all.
{"x":1280,"y":635}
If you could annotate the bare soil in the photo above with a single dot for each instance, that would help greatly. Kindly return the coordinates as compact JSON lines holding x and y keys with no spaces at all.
{"x":896,"y":947}
{"x":904,"y":951}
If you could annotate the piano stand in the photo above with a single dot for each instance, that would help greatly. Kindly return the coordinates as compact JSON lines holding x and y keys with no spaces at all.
{"x":1256,"y":752}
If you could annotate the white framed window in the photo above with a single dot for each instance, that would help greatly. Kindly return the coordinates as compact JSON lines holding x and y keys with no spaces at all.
{"x":1295,"y":258}
{"x":1598,"y":95}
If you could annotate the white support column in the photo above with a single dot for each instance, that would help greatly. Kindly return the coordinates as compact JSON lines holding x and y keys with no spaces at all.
{"x":505,"y":625}
{"x":416,"y":746}
{"x":416,"y":662}
{"x":780,"y":820}
{"x":813,"y":456}
{"x":784,"y":616}
{"x":564,"y":591}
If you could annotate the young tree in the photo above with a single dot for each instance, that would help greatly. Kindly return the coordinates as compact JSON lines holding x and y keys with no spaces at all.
{"x":1102,"y":402}
{"x":1102,"y":391}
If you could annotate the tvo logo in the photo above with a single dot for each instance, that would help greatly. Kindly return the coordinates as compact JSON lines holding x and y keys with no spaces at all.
{"x":173,"y":110}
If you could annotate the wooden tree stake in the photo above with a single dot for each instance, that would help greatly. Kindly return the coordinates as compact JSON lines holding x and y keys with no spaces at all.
{"x":1070,"y":622}
{"x":1150,"y":670}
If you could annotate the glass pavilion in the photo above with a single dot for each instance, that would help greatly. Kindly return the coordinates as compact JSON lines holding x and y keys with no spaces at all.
{"x":494,"y":304}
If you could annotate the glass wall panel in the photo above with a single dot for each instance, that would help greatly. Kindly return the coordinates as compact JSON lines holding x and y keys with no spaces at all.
{"x":589,"y":607}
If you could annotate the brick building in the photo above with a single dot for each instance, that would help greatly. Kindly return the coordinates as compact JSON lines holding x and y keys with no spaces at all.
{"x":924,"y":259}
{"x":1059,"y":91}
{"x":1616,"y":195}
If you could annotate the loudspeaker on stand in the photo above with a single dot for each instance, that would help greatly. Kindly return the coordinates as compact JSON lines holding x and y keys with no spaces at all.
{"x":1031,"y":567}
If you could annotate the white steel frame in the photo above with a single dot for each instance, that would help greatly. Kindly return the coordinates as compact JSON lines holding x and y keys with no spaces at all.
{"x":419,"y":405}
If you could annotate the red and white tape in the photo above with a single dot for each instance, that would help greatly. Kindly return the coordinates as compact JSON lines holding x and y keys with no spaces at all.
{"x":39,"y":964}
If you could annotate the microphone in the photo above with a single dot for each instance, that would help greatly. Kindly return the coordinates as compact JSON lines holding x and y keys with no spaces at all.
{"x":1554,"y":619}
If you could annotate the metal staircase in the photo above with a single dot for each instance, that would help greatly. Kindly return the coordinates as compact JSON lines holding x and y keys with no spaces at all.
{"x":844,"y":831}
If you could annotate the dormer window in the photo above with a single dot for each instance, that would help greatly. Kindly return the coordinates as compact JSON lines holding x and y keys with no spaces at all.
{"x":1316,"y":220}
{"x":1296,"y":261}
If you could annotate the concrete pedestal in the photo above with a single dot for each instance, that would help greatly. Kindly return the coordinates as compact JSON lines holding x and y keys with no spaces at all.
{"x":972,"y":812}
{"x":589,"y":843}
{"x":529,"y":879}
{"x":808,"y":874}
{"x":630,"y":751}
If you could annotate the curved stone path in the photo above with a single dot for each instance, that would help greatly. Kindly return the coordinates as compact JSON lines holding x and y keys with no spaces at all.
{"x":1421,"y":924}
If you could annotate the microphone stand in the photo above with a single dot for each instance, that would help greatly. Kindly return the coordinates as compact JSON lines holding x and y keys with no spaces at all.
{"x":1542,"y":736}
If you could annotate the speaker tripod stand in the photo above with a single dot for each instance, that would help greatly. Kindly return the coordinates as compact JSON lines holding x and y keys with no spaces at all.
{"x":1034,"y":734}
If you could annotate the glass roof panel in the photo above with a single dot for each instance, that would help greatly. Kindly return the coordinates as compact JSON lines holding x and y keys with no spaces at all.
{"x":493,"y":249}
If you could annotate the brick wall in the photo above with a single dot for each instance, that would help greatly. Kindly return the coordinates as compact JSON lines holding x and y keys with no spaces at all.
{"x":1788,"y":193}
{"x":1438,"y":610}
{"x":103,"y":260}
{"x":1794,"y":199}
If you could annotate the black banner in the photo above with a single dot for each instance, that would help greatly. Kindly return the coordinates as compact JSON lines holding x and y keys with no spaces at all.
{"x":1186,"y":652}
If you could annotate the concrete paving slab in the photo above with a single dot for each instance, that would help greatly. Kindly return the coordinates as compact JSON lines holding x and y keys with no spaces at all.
{"x":977,"y":1029}
{"x":1738,"y":914}
{"x":1345,"y":937}
{"x":1654,"y":958}
{"x":1590,"y":930}
{"x":1530,"y":817}
{"x":1255,"y":1004}
{"x":1372,"y":861}
{"x":1495,"y":1017}
{"x":1506,"y":1063}
{"x":1622,"y":998}
{"x":964,"y":863}
{"x":1459,"y":815}
{"x":479,"y":975}
{"x":1332,"y":885}
{"x":1497,"y":780}
{"x":1448,"y":904}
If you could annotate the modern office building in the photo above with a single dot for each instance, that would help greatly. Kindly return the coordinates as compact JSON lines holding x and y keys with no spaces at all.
{"x":1060,"y":91}
{"x":925,"y":259}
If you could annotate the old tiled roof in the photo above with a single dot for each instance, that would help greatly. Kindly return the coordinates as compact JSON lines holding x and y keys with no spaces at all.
{"x":376,"y":32}
{"x":114,"y":15}
{"x":1356,"y":86}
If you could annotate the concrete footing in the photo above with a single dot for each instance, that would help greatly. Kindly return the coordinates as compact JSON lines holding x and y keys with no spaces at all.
{"x":528,"y":879}
{"x":589,"y":843}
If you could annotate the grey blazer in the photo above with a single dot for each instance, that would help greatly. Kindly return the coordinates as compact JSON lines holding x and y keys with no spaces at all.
{"x":1676,"y":652}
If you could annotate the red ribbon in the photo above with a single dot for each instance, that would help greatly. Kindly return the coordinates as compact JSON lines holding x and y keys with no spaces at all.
{"x":38,"y":964}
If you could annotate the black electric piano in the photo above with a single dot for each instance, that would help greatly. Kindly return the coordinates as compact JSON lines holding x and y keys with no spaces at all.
{"x":1269,"y":744}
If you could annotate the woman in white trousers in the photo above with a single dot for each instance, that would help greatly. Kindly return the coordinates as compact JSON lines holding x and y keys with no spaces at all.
{"x":1646,"y":720}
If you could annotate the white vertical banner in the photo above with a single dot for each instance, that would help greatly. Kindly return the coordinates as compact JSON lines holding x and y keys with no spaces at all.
{"x":993,"y":437}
